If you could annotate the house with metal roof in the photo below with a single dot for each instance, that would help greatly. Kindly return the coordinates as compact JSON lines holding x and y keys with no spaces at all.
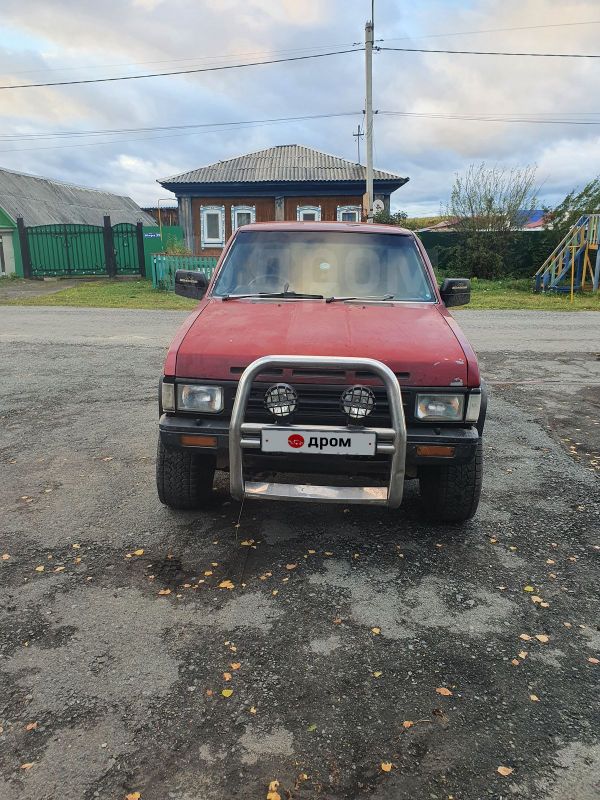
{"x":42,"y":201}
{"x":287,"y":182}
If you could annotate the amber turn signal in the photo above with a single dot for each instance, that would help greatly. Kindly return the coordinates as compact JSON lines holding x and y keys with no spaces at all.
{"x":192,"y":440}
{"x":435,"y":450}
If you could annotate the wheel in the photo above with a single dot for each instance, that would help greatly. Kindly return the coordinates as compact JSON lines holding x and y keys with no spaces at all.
{"x":451,"y":494}
{"x":184,"y":479}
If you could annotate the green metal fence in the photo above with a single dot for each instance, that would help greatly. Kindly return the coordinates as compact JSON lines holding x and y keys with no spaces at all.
{"x":164,"y":268}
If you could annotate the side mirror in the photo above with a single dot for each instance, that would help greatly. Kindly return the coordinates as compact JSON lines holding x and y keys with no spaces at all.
{"x":456,"y":291}
{"x":189,"y":283}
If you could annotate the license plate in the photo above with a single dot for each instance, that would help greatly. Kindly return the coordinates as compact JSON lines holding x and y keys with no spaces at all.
{"x":294,"y":440}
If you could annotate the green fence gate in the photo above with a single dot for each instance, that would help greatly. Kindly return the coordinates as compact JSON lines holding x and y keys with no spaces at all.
{"x":80,"y":250}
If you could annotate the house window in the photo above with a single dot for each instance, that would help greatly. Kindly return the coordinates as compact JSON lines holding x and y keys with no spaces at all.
{"x":212,"y":224}
{"x":348,"y":213}
{"x":242,"y":215}
{"x":309,"y":213}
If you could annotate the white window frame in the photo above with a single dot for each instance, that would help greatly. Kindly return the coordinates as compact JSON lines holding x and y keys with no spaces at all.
{"x":205,"y":241}
{"x":235,"y":210}
{"x":346,"y":210}
{"x":301,"y":210}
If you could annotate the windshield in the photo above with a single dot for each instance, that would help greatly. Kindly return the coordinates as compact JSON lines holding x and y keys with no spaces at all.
{"x":327,"y":263}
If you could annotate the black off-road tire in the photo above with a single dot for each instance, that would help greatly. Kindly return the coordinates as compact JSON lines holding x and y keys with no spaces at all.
{"x":184,"y":479}
{"x":451,"y":494}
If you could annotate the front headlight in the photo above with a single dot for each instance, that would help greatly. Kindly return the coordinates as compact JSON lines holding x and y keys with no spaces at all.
{"x":204,"y":399}
{"x":440,"y":407}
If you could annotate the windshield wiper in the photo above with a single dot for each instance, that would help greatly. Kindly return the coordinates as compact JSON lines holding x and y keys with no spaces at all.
{"x":286,"y":293}
{"x":341,"y":299}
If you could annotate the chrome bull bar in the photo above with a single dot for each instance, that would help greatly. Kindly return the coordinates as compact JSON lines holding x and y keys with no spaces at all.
{"x":246,"y":436}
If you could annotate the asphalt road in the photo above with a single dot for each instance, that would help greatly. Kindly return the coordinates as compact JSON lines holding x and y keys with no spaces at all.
{"x":343,"y":622}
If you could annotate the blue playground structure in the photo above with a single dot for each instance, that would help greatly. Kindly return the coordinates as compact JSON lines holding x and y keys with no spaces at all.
{"x":573,"y":262}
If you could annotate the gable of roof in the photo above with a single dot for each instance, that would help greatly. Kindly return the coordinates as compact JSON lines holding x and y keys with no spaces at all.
{"x":286,"y":162}
{"x":42,"y":201}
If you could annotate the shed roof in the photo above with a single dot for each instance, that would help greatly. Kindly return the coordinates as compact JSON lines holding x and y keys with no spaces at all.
{"x":42,"y":201}
{"x":286,"y":162}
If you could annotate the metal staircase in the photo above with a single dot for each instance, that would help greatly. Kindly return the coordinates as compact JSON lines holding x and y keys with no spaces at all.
{"x":574,"y":261}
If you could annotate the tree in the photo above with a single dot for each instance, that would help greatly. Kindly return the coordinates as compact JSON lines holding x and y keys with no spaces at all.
{"x":487,"y":205}
{"x":575,"y":204}
{"x":492,"y":199}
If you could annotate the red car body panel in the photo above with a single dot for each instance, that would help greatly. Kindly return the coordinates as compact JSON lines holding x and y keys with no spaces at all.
{"x":421,"y":339}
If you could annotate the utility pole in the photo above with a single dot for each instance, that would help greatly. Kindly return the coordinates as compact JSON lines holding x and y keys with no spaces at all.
{"x":358,"y":135}
{"x":369,"y":36}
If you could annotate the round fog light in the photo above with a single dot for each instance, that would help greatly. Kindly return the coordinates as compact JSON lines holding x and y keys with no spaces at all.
{"x":281,"y":400}
{"x":358,"y":402}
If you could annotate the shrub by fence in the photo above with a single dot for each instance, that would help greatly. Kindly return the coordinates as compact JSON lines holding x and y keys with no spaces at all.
{"x":511,"y":255}
{"x":164,"y":268}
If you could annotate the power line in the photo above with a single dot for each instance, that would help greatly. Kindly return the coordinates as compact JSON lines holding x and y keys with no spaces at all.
{"x":489,"y":53}
{"x":182,"y":71}
{"x":489,"y":118}
{"x":491,"y":30}
{"x":221,"y":126}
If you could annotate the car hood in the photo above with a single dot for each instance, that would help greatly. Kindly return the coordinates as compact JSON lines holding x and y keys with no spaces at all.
{"x":415,"y":340}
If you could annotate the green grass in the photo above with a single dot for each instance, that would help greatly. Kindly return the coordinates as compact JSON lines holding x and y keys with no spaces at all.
{"x":108,"y":294}
{"x":506,"y":294}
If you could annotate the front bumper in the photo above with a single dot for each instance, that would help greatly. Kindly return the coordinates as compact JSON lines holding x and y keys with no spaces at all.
{"x":235,"y":444}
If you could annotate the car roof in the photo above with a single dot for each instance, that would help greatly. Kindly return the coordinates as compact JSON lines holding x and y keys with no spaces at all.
{"x":347,"y":227}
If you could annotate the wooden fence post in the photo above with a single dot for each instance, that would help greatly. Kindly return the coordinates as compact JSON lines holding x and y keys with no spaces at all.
{"x":25,"y":251}
{"x":139,"y":229}
{"x":109,"y":249}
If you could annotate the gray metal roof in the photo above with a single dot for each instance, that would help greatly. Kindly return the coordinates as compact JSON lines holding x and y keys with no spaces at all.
{"x":41,"y":201}
{"x":286,"y":162}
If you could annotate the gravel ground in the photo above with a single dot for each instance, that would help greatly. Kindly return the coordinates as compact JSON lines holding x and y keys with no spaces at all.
{"x":344,"y":623}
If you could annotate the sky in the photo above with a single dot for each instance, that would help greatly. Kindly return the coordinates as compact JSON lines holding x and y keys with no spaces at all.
{"x":43,"y":42}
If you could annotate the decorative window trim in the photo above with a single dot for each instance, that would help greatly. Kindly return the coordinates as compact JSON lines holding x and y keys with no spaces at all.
{"x":347,"y":210}
{"x":243,"y":210}
{"x":205,"y":241}
{"x":301,"y":210}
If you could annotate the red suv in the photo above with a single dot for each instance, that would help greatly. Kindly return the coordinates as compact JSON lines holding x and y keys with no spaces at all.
{"x":322,"y":349}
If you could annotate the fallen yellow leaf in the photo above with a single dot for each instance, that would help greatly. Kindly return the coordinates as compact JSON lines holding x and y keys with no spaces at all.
{"x":27,"y":765}
{"x":59,"y":569}
{"x":226,"y":692}
{"x":377,"y":674}
{"x":209,"y":692}
{"x":133,"y":796}
{"x":247,"y":543}
{"x":208,"y":572}
{"x":515,"y":662}
{"x":214,"y":563}
{"x":528,"y":589}
{"x":235,"y":665}
{"x":443,"y":691}
{"x":386,"y":766}
{"x":5,"y":556}
{"x":523,"y":654}
{"x":76,"y":546}
{"x":593,"y":660}
{"x":275,"y":592}
{"x":567,"y":624}
{"x":536,"y":598}
{"x":273,"y":794}
{"x":493,"y":540}
{"x":541,"y":637}
{"x":525,"y":636}
{"x":407,"y":723}
{"x":327,"y":553}
{"x":337,"y":621}
{"x":31,"y":726}
{"x":139,"y":552}
{"x":39,"y":569}
{"x":534,"y":698}
{"x":165,"y":591}
{"x":252,"y":709}
{"x":312,"y":552}
{"x":375,"y":631}
{"x":505,"y":771}
{"x":226,"y":585}
{"x":544,"y":605}
{"x":227,"y":676}
{"x":291,"y":566}
{"x":550,"y":561}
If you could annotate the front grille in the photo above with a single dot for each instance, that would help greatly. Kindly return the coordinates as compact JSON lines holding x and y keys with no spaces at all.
{"x":320,"y":405}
